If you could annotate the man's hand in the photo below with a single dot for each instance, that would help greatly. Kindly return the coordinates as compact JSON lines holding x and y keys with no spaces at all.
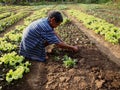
{"x":66,"y":46}
{"x":75,"y":48}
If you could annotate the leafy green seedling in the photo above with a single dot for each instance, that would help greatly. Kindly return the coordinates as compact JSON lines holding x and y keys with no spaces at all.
{"x":69,"y":62}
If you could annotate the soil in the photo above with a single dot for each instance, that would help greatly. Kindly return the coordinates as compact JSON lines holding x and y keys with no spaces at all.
{"x":93,"y":70}
{"x":111,"y":50}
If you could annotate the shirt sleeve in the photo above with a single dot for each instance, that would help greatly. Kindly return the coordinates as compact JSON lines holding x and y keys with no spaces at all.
{"x":50,"y":37}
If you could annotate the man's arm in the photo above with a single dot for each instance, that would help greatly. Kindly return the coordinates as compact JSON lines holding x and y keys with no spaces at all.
{"x":66,"y":46}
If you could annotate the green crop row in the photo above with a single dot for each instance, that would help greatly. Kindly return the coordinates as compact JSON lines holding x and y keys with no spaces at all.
{"x":4,"y":23}
{"x":4,"y":15}
{"x":4,"y":9}
{"x":110,"y":32}
{"x":111,"y":17}
{"x":16,"y":61}
{"x":7,"y":47}
{"x":36,"y":15}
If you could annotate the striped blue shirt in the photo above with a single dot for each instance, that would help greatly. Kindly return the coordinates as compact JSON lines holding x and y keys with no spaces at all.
{"x":34,"y":37}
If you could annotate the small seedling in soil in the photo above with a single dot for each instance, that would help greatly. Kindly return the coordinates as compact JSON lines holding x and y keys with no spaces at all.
{"x":69,"y":62}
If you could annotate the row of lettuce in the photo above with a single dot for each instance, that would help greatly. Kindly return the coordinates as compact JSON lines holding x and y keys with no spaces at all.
{"x":10,"y":58}
{"x":4,"y":15}
{"x":9,"y":17}
{"x":110,"y":32}
{"x":4,"y":9}
{"x":110,"y":14}
{"x":4,"y":23}
{"x":8,"y":8}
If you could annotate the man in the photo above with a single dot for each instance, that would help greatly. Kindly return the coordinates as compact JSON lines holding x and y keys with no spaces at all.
{"x":39,"y":34}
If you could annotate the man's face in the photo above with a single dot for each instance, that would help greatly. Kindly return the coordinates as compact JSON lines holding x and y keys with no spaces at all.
{"x":53,"y":23}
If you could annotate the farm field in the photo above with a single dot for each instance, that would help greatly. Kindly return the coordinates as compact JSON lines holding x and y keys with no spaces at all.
{"x":88,"y":69}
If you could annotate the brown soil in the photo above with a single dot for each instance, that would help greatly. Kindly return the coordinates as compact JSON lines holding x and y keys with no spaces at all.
{"x":93,"y":71}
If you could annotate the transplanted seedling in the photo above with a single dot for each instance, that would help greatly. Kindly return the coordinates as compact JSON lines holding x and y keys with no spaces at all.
{"x":69,"y":62}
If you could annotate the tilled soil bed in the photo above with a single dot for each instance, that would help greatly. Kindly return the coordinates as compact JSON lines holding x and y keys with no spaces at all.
{"x":93,"y":70}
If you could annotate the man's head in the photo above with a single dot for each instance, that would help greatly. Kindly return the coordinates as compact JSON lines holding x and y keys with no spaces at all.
{"x":55,"y":18}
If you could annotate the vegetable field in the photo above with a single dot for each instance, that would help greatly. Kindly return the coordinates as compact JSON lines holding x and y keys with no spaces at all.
{"x":96,"y":66}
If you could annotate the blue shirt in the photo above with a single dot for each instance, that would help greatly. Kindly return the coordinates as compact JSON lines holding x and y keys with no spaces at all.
{"x":34,"y":37}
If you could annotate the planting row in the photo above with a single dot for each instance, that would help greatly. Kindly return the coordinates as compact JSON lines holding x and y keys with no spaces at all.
{"x":109,"y":31}
{"x":4,"y":23}
{"x":108,"y":13}
{"x":10,"y":17}
{"x":36,"y":15}
{"x":4,"y":15}
{"x":4,"y":9}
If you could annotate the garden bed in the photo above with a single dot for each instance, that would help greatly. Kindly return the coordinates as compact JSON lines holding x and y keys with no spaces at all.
{"x":93,"y":69}
{"x":111,"y":50}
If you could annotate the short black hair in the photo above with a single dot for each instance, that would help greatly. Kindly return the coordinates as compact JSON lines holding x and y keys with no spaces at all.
{"x":57,"y":15}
